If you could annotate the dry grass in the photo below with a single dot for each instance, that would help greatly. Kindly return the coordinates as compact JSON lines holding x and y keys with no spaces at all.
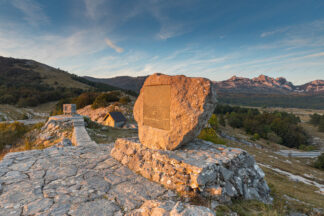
{"x":56,"y":78}
{"x":282,"y":184}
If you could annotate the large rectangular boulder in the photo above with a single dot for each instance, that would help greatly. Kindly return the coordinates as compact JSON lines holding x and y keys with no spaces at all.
{"x":171,"y":110}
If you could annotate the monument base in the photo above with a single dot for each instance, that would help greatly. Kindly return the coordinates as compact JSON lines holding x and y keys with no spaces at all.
{"x":200,"y":167}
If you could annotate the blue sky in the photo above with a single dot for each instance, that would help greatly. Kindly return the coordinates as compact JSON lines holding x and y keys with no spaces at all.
{"x":213,"y":39}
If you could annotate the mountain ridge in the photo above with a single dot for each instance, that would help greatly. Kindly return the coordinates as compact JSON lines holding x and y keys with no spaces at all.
{"x":262,"y":83}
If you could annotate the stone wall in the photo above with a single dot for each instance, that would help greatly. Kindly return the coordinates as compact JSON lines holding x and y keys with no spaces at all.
{"x":200,"y":167}
{"x":80,"y":136}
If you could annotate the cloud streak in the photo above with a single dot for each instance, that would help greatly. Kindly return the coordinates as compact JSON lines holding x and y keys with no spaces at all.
{"x":33,"y":12}
{"x":114,"y":46}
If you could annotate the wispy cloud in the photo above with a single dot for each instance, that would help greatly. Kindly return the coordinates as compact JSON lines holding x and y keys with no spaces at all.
{"x":113,"y":46}
{"x":93,"y":8}
{"x":33,"y":12}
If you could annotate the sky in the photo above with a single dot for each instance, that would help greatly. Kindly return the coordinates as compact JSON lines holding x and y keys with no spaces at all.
{"x":201,"y":38}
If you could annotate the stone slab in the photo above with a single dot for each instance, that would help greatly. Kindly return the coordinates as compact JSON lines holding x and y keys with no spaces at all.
{"x":200,"y":167}
{"x":73,"y":180}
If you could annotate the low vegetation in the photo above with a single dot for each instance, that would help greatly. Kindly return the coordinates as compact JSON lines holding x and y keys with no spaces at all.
{"x":315,"y":101}
{"x":27,"y":83}
{"x":281,"y":127}
{"x":318,"y":121}
{"x":105,"y":99}
{"x":319,"y":163}
{"x":10,"y":133}
{"x":95,"y":99}
{"x":209,"y":133}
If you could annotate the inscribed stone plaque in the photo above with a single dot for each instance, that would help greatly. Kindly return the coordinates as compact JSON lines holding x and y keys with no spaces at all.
{"x":156,"y":106}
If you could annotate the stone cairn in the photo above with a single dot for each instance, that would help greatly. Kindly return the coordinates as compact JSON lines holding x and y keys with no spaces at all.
{"x":170,"y":112}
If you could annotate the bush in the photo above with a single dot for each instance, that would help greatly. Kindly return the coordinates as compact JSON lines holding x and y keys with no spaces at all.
{"x":104,"y":99}
{"x":280,"y":126}
{"x":235,"y":120}
{"x":124,"y":100}
{"x":213,"y":122}
{"x":91,"y":124}
{"x":222,"y":120}
{"x":321,"y":125}
{"x":85,"y":99}
{"x":315,"y":119}
{"x":256,"y":136}
{"x":319,"y":163}
{"x":209,"y":134}
{"x":11,"y":133}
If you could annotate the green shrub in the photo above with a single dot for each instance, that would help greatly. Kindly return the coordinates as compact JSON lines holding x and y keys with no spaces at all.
{"x":315,"y":119}
{"x":85,"y":99}
{"x":222,"y":120}
{"x":235,"y":120}
{"x":91,"y":124}
{"x":213,"y":122}
{"x":280,"y":126}
{"x":10,"y":133}
{"x":104,"y":99}
{"x":321,"y":125}
{"x":306,"y":148}
{"x":256,"y":136}
{"x":319,"y":163}
{"x":209,"y":134}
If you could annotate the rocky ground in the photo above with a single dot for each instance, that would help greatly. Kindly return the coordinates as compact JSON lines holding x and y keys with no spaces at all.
{"x":81,"y":181}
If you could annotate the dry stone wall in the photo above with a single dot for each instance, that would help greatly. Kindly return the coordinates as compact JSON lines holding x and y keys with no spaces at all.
{"x":201,"y":167}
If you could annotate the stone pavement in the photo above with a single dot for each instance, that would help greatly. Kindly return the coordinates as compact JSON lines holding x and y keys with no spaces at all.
{"x":79,"y":180}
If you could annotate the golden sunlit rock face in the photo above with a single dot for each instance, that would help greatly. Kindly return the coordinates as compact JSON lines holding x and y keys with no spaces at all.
{"x":172,"y":110}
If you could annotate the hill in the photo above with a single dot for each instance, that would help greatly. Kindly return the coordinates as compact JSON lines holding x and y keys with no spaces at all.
{"x":29,"y":83}
{"x":124,"y":82}
{"x":258,"y":91}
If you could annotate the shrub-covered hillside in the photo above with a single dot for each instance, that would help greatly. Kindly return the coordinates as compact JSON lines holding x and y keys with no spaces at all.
{"x":280,"y":127}
{"x":29,"y":83}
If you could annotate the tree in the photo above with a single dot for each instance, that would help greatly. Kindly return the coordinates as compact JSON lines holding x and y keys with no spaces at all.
{"x":321,"y":125}
{"x":222,"y":120}
{"x":315,"y":119}
{"x":104,"y":99}
{"x":235,"y":120}
{"x":319,"y":163}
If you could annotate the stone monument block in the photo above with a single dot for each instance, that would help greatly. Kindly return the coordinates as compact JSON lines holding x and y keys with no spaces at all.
{"x":172,"y":110}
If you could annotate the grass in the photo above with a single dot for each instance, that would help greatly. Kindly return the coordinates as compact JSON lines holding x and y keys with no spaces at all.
{"x":17,"y":113}
{"x":51,"y":76}
{"x":105,"y":134}
{"x":281,"y":185}
{"x":110,"y":134}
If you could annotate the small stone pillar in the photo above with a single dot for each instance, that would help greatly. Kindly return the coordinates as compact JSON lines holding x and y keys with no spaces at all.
{"x":69,"y":109}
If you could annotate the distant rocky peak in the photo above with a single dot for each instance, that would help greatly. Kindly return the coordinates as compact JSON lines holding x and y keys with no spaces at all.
{"x":282,"y":80}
